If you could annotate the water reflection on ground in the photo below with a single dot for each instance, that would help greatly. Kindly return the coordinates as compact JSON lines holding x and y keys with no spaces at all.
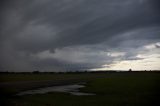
{"x":72,"y":89}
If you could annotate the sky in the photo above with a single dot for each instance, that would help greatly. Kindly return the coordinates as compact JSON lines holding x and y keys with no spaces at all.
{"x":62,"y":35}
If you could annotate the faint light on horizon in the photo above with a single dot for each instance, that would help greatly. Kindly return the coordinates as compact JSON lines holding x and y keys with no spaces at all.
{"x":150,"y":63}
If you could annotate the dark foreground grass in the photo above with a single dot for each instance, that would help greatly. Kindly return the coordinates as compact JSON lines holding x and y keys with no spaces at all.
{"x":124,"y":89}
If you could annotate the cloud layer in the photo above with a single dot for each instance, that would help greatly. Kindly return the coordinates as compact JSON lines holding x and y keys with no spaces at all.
{"x":63,"y":35}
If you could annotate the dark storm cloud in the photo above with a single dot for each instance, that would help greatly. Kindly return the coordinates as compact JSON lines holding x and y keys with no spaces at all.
{"x":29,"y":28}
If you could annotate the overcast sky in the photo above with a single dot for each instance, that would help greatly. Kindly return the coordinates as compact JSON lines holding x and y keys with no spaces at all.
{"x":58,"y":35}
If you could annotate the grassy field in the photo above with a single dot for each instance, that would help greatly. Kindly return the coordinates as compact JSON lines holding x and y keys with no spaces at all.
{"x":111,"y":89}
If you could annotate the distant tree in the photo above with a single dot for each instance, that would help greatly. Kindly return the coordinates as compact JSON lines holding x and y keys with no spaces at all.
{"x":130,"y":70}
{"x":35,"y":72}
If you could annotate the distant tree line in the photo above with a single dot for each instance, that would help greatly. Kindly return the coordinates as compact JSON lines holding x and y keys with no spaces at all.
{"x":78,"y":71}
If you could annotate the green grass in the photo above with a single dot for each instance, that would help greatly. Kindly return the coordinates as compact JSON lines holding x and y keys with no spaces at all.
{"x":123,"y":89}
{"x":35,"y":77}
{"x":42,"y":77}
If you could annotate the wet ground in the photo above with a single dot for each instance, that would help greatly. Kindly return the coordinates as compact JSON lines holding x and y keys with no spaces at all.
{"x":72,"y":89}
